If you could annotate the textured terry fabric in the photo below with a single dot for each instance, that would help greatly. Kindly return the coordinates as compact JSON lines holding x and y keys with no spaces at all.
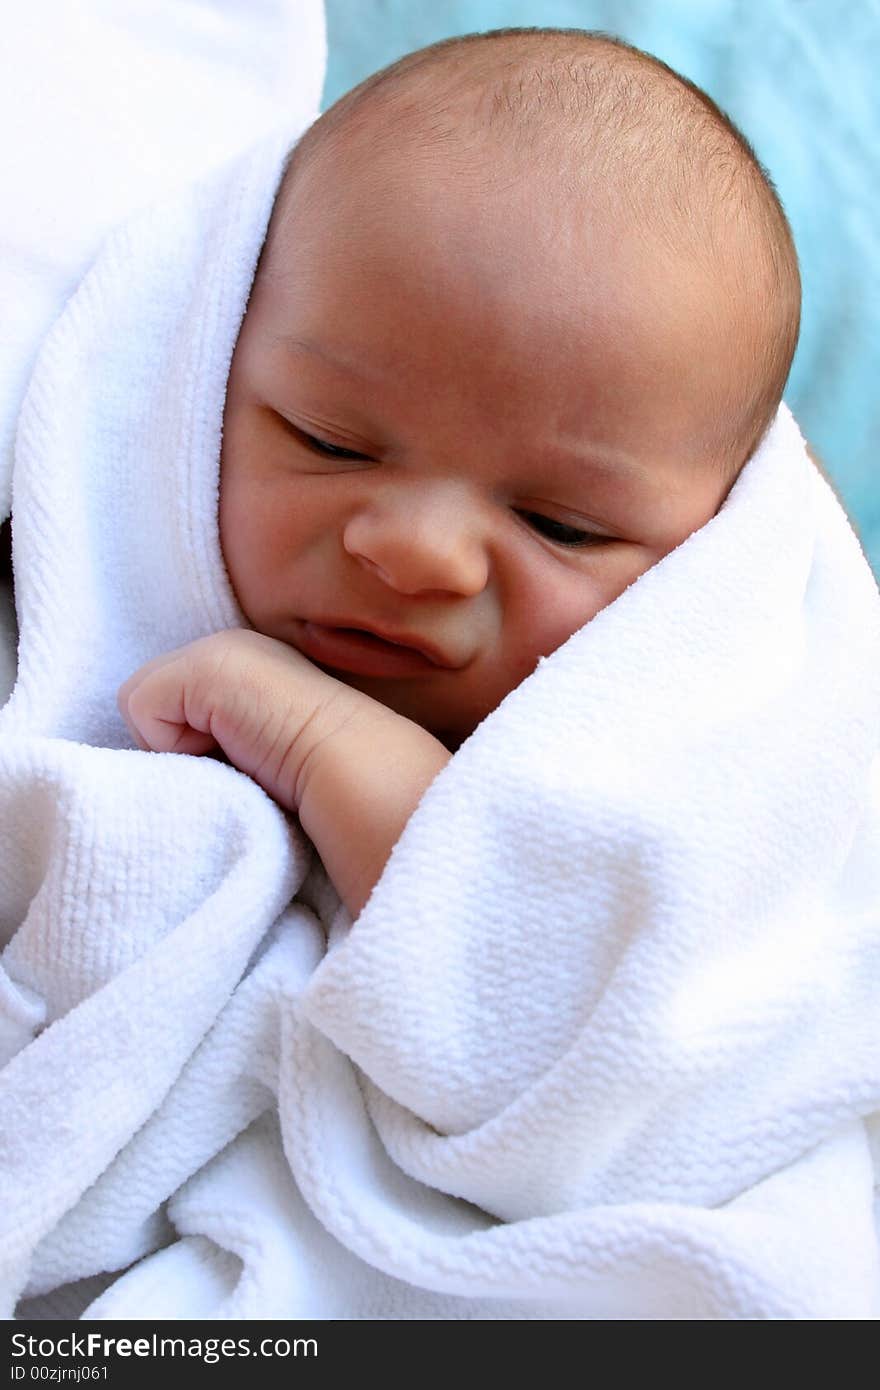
{"x":107,"y":107}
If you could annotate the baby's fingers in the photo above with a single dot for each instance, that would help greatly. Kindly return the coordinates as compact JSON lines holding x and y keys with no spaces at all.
{"x":154,"y":706}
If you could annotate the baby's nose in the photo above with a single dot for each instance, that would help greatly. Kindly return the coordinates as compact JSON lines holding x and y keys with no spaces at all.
{"x":422,"y":540}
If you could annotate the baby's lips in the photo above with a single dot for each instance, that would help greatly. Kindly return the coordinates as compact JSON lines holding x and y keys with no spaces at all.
{"x":351,"y":650}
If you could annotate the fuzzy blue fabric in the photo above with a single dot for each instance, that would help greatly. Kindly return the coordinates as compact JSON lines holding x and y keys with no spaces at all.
{"x":799,"y":78}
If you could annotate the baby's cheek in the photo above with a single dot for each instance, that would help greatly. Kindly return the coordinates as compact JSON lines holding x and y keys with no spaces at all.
{"x":557,"y":609}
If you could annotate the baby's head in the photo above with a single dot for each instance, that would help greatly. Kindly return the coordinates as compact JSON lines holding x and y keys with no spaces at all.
{"x":527,"y":303}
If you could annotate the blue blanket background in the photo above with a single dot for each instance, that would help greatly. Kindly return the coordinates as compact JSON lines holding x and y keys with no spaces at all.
{"x":799,"y":77}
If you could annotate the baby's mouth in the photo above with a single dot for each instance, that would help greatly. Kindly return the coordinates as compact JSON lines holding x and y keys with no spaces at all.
{"x":361,"y":652}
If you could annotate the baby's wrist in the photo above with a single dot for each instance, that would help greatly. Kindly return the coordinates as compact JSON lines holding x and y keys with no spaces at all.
{"x":358,"y":789}
{"x":301,"y":713}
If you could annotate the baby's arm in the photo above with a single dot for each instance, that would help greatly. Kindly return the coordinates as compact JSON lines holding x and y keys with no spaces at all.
{"x":353,"y":769}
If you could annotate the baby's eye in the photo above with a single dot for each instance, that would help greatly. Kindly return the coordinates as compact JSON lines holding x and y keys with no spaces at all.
{"x":559,"y":532}
{"x":333,"y":451}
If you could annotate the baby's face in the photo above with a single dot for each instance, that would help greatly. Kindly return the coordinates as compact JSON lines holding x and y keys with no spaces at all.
{"x":456,"y":429}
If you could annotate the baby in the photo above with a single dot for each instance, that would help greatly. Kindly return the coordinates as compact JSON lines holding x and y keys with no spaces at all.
{"x":526,"y":305}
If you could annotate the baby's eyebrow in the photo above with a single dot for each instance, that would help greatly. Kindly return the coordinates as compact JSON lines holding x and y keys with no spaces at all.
{"x":568,"y":462}
{"x":363,"y":365}
{"x":605,"y":463}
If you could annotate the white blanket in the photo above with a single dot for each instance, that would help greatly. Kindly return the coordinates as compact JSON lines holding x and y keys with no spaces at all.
{"x":604,"y":1043}
{"x":105,"y":106}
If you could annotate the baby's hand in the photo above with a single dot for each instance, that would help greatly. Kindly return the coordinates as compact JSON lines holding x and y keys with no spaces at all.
{"x":353,"y":769}
{"x":259,"y":701}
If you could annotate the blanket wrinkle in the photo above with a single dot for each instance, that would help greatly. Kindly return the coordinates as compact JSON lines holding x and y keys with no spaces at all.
{"x":230,"y":1079}
{"x":603,"y":1042}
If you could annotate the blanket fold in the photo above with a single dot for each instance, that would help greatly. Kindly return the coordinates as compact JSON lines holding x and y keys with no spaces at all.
{"x":603,"y":1043}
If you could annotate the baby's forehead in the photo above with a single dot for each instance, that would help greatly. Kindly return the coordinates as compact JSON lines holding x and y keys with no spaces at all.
{"x":597,"y":135}
{"x":610,"y":135}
